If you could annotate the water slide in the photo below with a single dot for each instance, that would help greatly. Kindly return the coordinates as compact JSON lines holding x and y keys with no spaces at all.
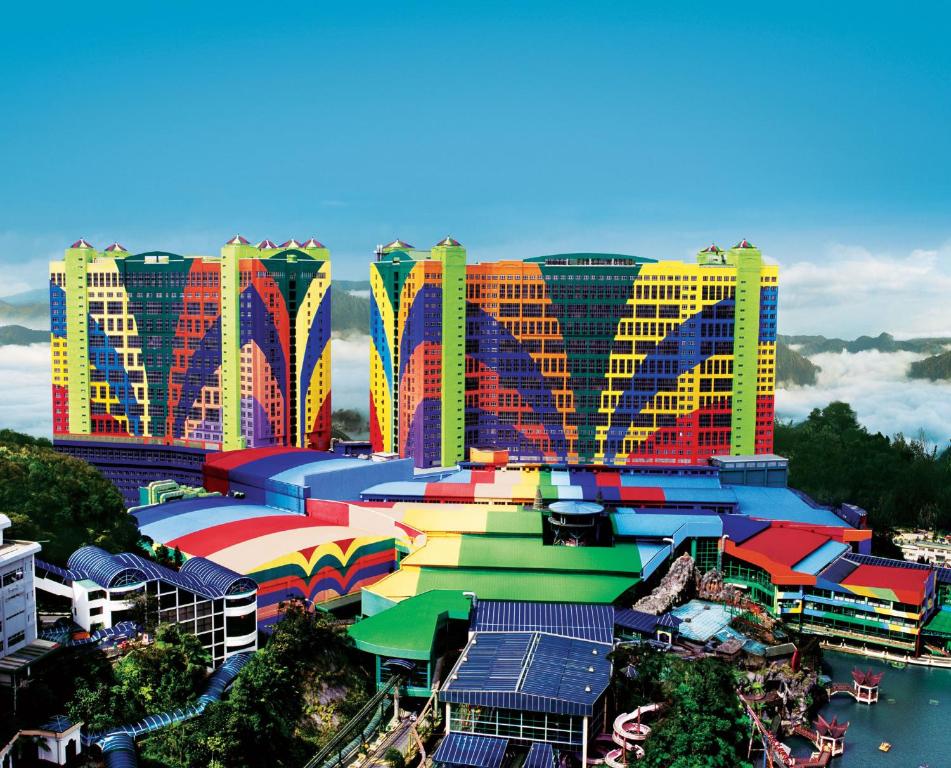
{"x":629,"y":731}
{"x":118,"y":744}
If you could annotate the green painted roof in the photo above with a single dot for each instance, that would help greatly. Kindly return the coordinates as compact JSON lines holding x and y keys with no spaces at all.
{"x":527,"y":585}
{"x":513,"y":522}
{"x":407,"y":630}
{"x":522,"y":553}
{"x":940,"y":623}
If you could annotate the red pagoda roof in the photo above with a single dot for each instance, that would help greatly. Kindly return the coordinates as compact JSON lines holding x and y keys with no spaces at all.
{"x":834,"y":729}
{"x":867,"y":677}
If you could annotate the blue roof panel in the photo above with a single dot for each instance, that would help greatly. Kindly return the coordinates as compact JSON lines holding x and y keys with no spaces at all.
{"x":300,"y":474}
{"x":821,"y":557}
{"x":638,"y":621}
{"x":576,"y":620}
{"x":471,"y":751}
{"x":783,"y":504}
{"x":202,"y":518}
{"x":530,"y":671}
{"x":155,"y":512}
{"x":540,"y":756}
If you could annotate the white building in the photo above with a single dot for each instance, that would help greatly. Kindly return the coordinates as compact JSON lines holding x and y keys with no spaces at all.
{"x":213,"y":603}
{"x":918,"y":547}
{"x":17,"y":596}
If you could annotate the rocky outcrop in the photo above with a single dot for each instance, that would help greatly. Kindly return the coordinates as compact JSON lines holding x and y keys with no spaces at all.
{"x":713,"y":587}
{"x":679,"y":579}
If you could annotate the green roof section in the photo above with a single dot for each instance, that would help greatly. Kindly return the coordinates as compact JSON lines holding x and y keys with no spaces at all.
{"x":940,"y":624}
{"x":517,"y":523}
{"x":534,"y":554}
{"x":408,"y":629}
{"x":538,"y":586}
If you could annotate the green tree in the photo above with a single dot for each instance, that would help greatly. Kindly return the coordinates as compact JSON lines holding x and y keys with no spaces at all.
{"x":167,"y":674}
{"x":61,"y":501}
{"x":705,"y":725}
{"x":289,"y":699}
{"x":900,"y":482}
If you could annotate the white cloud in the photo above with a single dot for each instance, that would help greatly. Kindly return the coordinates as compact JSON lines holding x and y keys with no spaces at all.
{"x":853,"y":291}
{"x":25,"y":398}
{"x":350,"y":369}
{"x":874,"y":384}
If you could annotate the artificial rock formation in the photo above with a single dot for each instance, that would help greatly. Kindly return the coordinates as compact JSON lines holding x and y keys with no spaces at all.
{"x":679,"y":578}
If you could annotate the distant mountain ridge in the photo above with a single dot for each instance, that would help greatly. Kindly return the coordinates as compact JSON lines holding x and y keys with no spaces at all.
{"x":18,"y":335}
{"x":884,"y":342}
{"x":936,"y":368}
{"x":794,"y":369}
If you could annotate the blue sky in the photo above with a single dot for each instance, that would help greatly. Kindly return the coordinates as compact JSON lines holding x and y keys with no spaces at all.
{"x":822,"y":132}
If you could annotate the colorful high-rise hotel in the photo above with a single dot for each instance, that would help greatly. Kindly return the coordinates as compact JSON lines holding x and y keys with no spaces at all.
{"x":577,"y":358}
{"x":159,"y":358}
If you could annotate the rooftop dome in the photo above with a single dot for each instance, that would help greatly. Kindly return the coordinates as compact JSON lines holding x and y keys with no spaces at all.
{"x":398,"y":244}
{"x":81,"y":243}
{"x":292,"y":243}
{"x":712,"y":248}
{"x":237,"y":240}
{"x":448,"y":241}
{"x":115,"y":247}
{"x":265,"y":244}
{"x":314,"y":243}
{"x":744,"y":243}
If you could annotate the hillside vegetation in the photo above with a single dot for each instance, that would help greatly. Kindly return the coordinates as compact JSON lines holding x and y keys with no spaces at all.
{"x":835,"y":459}
{"x":59,"y":500}
{"x":936,"y":368}
{"x":793,"y":369}
{"x":20,"y":336}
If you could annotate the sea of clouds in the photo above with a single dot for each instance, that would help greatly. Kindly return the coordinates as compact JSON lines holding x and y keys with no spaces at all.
{"x":875,"y":385}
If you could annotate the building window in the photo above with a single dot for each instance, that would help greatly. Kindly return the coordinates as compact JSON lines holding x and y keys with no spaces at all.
{"x":11,"y":577}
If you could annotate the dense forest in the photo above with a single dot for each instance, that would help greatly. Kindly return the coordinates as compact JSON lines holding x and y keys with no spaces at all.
{"x":900,"y":481}
{"x":703,"y":725}
{"x":58,"y":500}
{"x":286,"y":703}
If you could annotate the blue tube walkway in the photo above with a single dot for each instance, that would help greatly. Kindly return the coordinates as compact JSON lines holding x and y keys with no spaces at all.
{"x":118,"y":744}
